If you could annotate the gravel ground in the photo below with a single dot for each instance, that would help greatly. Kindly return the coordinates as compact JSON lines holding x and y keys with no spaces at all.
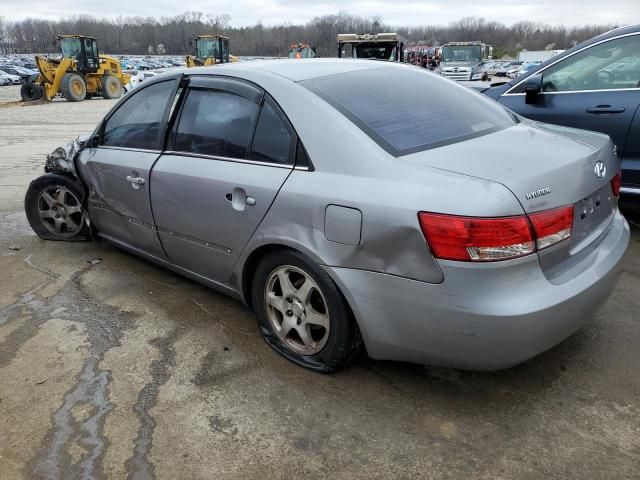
{"x":121,"y":369}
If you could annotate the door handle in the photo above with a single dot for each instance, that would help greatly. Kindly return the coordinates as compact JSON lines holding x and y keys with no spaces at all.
{"x":135,"y":180}
{"x":239,"y":199}
{"x":600,"y":109}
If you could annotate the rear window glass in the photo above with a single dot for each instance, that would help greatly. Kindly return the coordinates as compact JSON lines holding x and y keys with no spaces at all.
{"x":406,"y":110}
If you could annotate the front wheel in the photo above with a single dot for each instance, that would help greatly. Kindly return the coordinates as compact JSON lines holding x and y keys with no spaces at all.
{"x":73,"y":87}
{"x":53,"y":205}
{"x":302,"y":314}
{"x":111,"y":88}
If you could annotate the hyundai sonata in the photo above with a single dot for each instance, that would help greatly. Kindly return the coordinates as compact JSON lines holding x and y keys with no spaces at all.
{"x":352,"y":203}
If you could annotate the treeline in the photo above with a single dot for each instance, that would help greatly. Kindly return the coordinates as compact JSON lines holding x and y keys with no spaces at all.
{"x":171,"y":35}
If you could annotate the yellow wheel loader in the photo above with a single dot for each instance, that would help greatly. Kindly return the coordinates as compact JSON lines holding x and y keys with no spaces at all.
{"x":210,"y":49}
{"x":80,"y":74}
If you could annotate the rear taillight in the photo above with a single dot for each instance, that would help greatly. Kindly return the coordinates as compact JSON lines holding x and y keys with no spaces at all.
{"x":615,"y":184}
{"x":477,"y":239}
{"x":552,"y":226}
{"x":480,"y":239}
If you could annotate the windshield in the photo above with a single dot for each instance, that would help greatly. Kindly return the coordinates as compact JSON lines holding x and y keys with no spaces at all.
{"x":462,"y":53}
{"x":208,"y":47}
{"x":70,"y":47}
{"x":377,"y":50}
{"x":434,"y":114}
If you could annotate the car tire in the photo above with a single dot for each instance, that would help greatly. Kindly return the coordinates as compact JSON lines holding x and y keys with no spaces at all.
{"x":111,"y":88}
{"x":307,"y":320}
{"x":73,"y":87}
{"x":31,"y":92}
{"x":55,"y":210}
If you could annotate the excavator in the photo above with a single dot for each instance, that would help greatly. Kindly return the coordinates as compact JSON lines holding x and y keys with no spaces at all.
{"x":80,"y":74}
{"x":210,"y":49}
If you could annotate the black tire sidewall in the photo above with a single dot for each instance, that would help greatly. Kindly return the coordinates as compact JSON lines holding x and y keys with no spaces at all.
{"x":344,"y":337}
{"x":30,"y":92}
{"x":31,"y":206}
{"x":105,"y":90}
{"x":65,"y":87}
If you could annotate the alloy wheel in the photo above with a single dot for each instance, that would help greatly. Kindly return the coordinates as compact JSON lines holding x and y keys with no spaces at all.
{"x":297,"y":310}
{"x":60,"y":211}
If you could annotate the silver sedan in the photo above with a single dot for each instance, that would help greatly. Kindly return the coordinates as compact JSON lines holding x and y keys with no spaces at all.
{"x":352,"y":204}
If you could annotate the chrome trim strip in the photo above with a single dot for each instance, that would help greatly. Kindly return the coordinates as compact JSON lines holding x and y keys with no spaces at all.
{"x":575,"y":91}
{"x":226,"y":159}
{"x":145,"y":150}
{"x":569,"y":56}
{"x":135,"y":221}
{"x":195,"y":240}
{"x":632,"y":190}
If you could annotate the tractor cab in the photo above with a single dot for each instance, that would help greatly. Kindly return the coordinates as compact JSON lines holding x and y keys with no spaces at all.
{"x":215,"y":47}
{"x":84,"y":50}
{"x":377,"y":46}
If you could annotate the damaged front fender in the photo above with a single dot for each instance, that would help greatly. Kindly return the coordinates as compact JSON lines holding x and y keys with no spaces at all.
{"x":62,"y":159}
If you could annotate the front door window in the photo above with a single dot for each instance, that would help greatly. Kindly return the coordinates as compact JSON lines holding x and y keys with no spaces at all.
{"x":610,"y":65}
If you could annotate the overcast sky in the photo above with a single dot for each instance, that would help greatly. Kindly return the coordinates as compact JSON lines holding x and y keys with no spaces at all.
{"x":401,"y":12}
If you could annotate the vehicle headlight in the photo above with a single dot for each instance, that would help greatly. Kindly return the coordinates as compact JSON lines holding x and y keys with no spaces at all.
{"x":476,"y":76}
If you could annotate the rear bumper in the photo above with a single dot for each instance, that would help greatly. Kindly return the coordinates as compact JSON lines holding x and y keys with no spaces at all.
{"x":482,"y":317}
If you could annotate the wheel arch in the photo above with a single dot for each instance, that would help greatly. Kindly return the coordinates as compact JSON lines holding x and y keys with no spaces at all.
{"x":257,"y":254}
{"x":251,"y":263}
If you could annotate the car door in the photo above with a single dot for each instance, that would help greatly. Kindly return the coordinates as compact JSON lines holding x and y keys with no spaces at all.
{"x":231,"y":151}
{"x":631,"y":159}
{"x":597,"y":88}
{"x":118,"y":165}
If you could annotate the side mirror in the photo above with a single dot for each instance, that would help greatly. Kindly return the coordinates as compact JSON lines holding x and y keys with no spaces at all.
{"x":190,"y":43}
{"x":532,"y":87}
{"x":94,"y":141}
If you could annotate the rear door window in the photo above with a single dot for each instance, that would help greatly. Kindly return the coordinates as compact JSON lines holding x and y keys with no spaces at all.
{"x":272,"y":141}
{"x":406,"y":110}
{"x":217,"y":123}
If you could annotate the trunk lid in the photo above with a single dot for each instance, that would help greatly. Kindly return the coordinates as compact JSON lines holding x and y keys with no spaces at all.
{"x":545,"y":167}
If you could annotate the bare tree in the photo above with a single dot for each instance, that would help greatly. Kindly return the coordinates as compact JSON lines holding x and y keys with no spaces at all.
{"x":141,"y":35}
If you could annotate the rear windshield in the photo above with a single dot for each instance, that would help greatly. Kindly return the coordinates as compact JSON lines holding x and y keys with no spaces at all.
{"x":407,"y":110}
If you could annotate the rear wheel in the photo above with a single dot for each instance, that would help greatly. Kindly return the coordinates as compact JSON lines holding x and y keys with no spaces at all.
{"x":111,"y":88}
{"x":73,"y":87}
{"x":31,"y":92}
{"x":53,"y":205}
{"x":302,"y":314}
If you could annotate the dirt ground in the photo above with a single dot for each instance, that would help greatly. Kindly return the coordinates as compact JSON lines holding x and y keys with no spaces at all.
{"x":119,"y":369}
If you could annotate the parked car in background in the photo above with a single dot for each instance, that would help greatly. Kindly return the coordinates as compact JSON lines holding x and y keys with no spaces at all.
{"x":504,"y":69}
{"x":27,"y":75}
{"x":525,"y":67}
{"x":15,"y":79}
{"x":595,"y":86}
{"x":440,"y":230}
{"x":5,"y":80}
{"x":137,"y":77}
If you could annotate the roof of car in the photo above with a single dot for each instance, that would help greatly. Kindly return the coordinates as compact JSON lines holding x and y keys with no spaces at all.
{"x":297,"y":70}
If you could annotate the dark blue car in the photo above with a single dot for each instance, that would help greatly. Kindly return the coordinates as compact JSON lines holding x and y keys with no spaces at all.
{"x":595,"y":86}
